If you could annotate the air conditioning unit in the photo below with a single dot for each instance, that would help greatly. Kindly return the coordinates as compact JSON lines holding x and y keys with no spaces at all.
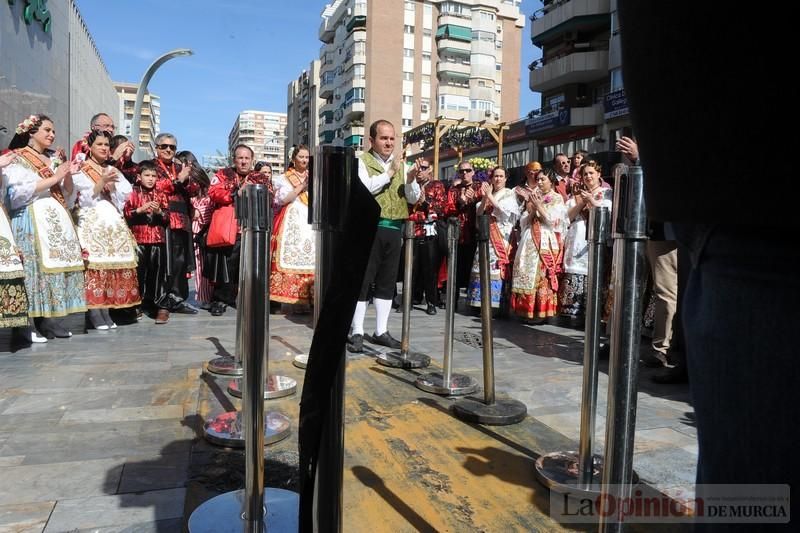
{"x":499,"y":29}
{"x":423,"y":108}
{"x":488,"y":113}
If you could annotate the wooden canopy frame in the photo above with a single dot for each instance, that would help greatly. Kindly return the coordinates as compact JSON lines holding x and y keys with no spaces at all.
{"x":442,"y":125}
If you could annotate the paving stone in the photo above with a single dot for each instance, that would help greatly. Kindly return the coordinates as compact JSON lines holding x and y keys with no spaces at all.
{"x":117,"y":510}
{"x":25,"y":517}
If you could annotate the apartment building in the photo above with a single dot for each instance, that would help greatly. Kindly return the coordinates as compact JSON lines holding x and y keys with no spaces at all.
{"x":150,"y":122}
{"x":265,"y":133}
{"x":580,"y":78}
{"x":302,"y":110}
{"x":457,"y":59}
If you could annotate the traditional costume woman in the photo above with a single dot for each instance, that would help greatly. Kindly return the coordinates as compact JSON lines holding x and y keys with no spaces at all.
{"x":293,"y":245}
{"x":43,"y":228}
{"x":13,"y":298}
{"x":504,"y":213}
{"x":107,"y":243}
{"x":538,"y":260}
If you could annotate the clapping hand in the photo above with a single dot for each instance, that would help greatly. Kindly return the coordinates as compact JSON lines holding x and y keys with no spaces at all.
{"x":7,"y":158}
{"x":183,"y":175}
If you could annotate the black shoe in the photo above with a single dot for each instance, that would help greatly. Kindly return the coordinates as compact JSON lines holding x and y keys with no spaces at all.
{"x":670,"y":376}
{"x":396,"y":302}
{"x":441,"y":304}
{"x":185,"y":310}
{"x":385,"y":339}
{"x":431,"y":310}
{"x":604,"y":352}
{"x":355,"y":343}
{"x":217,"y":309}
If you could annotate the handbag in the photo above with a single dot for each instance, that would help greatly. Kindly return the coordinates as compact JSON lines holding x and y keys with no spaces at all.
{"x":223,"y":227}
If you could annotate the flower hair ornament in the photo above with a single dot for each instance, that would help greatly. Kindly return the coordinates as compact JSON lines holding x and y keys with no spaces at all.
{"x":27,"y":124}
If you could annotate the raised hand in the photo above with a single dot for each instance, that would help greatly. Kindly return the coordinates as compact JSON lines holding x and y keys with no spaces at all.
{"x":7,"y":159}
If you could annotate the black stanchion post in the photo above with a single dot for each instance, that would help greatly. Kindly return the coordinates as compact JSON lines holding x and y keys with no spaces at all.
{"x":405,"y":358}
{"x":335,"y":168}
{"x":254,"y":508}
{"x":490,"y":411}
{"x":445,"y":382}
{"x":580,"y":472}
{"x":630,"y":237}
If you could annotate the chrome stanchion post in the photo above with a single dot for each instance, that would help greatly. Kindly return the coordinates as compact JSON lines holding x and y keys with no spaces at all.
{"x":445,"y":382}
{"x":276,"y":386}
{"x":580,"y":472}
{"x":630,"y":237}
{"x":254,"y":508}
{"x":227,"y":365}
{"x":405,"y":358}
{"x":491,"y":411}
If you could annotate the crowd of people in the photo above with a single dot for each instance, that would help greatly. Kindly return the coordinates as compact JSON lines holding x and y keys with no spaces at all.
{"x":98,"y":232}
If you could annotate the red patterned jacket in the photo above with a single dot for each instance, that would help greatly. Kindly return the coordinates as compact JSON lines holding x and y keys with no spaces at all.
{"x":147,"y":228}
{"x":431,"y":206}
{"x":464,"y":210}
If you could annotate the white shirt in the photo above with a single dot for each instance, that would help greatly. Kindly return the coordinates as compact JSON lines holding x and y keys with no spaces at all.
{"x":376,"y":184}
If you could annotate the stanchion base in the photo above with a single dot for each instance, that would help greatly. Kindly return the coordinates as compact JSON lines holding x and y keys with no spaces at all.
{"x":223,"y":513}
{"x":301,"y":360}
{"x":274,"y":387}
{"x":459,"y":384}
{"x":500,"y":413}
{"x":225,"y":366}
{"x":228,"y":429}
{"x":396,"y":359}
{"x":560,"y":472}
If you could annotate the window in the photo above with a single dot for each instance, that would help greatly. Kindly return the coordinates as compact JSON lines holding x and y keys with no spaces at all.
{"x":406,"y":122}
{"x":481,"y":83}
{"x":486,"y":16}
{"x":487,"y":36}
{"x":408,"y":52}
{"x":616,"y":79}
{"x":426,"y":55}
{"x":359,"y":71}
{"x":498,"y":44}
{"x":408,"y":99}
{"x":409,"y":5}
{"x":427,"y":32}
{"x":360,"y":48}
{"x":453,"y":8}
{"x":408,"y":76}
{"x":408,"y":29}
{"x":426,"y":78}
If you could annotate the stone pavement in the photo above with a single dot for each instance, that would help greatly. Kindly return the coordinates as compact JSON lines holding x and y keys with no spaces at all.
{"x":100,"y":432}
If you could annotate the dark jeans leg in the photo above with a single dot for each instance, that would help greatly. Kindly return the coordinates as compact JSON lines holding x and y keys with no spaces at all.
{"x":178,"y":285}
{"x":740,"y":314}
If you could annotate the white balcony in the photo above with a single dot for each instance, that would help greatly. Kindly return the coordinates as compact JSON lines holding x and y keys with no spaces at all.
{"x":587,"y":116}
{"x":453,"y":18}
{"x":456,"y":67}
{"x":559,"y":12}
{"x":579,"y":67}
{"x":455,"y":45}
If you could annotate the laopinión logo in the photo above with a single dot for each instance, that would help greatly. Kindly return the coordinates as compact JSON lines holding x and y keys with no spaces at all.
{"x":733,"y":504}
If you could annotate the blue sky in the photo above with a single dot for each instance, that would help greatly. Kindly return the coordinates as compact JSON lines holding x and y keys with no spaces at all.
{"x":246,"y":53}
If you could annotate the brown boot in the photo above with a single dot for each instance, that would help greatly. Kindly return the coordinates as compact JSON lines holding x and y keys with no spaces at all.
{"x":162,"y":316}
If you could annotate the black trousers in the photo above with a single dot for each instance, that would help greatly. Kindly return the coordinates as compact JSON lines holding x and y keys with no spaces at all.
{"x":152,"y":274}
{"x":427,"y":260}
{"x":466,"y":254}
{"x":384,"y":260}
{"x":224,"y":272}
{"x":180,"y":250}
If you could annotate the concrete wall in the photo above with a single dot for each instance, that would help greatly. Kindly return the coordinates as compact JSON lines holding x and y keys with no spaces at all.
{"x":58,"y":73}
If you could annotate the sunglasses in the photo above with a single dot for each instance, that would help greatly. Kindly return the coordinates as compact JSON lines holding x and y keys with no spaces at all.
{"x":465,"y":170}
{"x":424,"y":167}
{"x":167,"y":147}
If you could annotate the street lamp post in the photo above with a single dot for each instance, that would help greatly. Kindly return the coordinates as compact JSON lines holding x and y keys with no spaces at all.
{"x":137,"y":108}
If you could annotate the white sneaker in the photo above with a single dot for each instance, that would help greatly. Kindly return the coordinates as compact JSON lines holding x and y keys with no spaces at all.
{"x":102,"y":327}
{"x":35,"y":337}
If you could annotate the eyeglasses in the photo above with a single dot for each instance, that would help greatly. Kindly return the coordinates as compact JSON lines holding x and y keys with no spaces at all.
{"x":172,"y":147}
{"x":105,"y":127}
{"x":465,"y":170}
